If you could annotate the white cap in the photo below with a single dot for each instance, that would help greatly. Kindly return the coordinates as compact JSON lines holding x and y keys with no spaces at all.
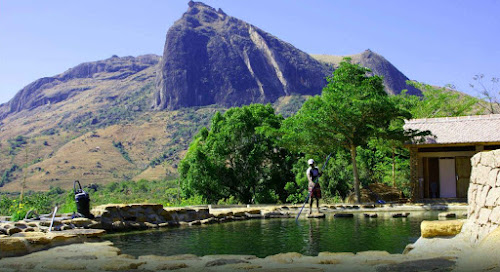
{"x":310,"y":161}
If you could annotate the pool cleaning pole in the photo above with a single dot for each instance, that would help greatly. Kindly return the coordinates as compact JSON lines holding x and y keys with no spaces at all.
{"x":309,"y":194}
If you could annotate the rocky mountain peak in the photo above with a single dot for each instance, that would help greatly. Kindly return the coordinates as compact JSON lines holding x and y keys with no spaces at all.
{"x":212,"y":58}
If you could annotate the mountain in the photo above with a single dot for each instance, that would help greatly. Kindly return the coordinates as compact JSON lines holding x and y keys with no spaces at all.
{"x":213,"y":58}
{"x":49,"y":90}
{"x":94,"y":122}
{"x":394,"y":80}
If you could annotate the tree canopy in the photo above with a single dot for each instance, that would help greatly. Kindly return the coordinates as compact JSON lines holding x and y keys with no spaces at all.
{"x":238,"y":157}
{"x":352,"y":109}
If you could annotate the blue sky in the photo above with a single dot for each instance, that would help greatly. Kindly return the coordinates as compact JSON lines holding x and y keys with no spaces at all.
{"x":437,"y":42}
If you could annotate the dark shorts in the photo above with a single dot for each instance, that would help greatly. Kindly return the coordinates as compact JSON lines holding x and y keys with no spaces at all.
{"x":316,"y":192}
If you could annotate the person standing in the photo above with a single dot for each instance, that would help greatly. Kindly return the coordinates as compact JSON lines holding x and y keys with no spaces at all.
{"x":313,"y":175}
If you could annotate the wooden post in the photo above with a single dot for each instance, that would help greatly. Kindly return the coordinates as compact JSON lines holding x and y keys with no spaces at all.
{"x":414,"y":174}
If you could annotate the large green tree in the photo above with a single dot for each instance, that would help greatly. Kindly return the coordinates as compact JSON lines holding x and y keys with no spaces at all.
{"x":238,"y":157}
{"x":352,"y":109}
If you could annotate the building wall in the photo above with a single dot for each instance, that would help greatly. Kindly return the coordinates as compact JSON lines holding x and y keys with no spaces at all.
{"x":484,"y":195}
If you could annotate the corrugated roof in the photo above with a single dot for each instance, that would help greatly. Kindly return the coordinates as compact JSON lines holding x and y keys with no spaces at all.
{"x":464,"y":129}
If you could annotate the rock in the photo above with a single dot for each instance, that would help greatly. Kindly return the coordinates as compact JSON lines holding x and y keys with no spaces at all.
{"x":79,"y":222}
{"x":220,"y":262}
{"x":447,"y":215}
{"x":284,"y":257}
{"x":66,"y":227}
{"x":371,"y":215}
{"x":399,"y":215}
{"x":156,"y":258}
{"x":339,"y":255}
{"x":263,"y":68}
{"x":488,"y":159}
{"x":13,"y":246}
{"x":210,"y":220}
{"x":118,"y":225}
{"x":221,"y":214}
{"x":343,"y":215}
{"x":30,"y":229}
{"x":171,"y":266}
{"x":96,"y":225}
{"x":151,"y":225}
{"x":276,"y":214}
{"x":316,"y":215}
{"x":239,"y":213}
{"x":13,"y":230}
{"x":65,"y":266}
{"x":195,"y":223}
{"x":84,"y":233}
{"x":435,"y":264}
{"x":253,"y":216}
{"x":408,"y":248}
{"x":121,"y":265}
{"x":484,"y":215}
{"x":372,"y":254}
{"x":20,"y":225}
{"x":440,"y":228}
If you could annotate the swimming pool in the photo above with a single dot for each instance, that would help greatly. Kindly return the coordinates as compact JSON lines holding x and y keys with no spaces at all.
{"x":271,"y":236}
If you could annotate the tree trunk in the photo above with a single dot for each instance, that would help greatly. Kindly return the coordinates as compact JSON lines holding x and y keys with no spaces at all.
{"x":355,"y":173}
{"x":393,"y":167}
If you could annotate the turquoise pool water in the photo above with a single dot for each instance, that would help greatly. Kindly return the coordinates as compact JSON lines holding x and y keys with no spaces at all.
{"x":271,"y":236}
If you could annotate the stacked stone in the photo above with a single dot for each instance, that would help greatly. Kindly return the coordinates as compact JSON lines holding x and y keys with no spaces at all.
{"x":484,"y":195}
{"x":11,"y":228}
{"x":138,"y":216}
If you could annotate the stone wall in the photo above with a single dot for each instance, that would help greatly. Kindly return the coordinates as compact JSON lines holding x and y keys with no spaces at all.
{"x":136,"y":216}
{"x":484,"y":195}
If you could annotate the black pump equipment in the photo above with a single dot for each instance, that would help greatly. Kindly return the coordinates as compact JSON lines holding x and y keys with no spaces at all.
{"x":82,"y":200}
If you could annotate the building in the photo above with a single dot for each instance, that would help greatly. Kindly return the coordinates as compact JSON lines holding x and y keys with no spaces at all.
{"x":440,"y":164}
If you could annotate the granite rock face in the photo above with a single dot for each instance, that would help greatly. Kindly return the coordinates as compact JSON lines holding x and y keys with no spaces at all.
{"x":212,"y":58}
{"x":394,"y":79}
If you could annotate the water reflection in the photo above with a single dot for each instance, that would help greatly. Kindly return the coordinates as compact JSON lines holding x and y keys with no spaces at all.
{"x":267,"y":237}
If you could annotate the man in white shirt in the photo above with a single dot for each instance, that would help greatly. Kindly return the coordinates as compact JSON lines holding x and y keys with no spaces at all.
{"x":313,"y":175}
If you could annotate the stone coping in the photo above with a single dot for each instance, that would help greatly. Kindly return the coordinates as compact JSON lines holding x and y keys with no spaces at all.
{"x":103,"y":256}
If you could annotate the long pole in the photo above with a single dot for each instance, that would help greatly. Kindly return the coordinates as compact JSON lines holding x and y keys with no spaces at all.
{"x":309,"y":194}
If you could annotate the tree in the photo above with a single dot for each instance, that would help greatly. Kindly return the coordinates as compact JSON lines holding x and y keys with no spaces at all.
{"x":437,"y":102}
{"x":352,"y":108}
{"x":490,"y":95}
{"x":238,"y":157}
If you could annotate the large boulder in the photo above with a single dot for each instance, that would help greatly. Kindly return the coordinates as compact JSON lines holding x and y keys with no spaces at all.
{"x":430,"y":229}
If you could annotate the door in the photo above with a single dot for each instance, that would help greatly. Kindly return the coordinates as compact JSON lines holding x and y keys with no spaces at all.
{"x":447,"y":178}
{"x":463,"y":169}
{"x":432,"y":177}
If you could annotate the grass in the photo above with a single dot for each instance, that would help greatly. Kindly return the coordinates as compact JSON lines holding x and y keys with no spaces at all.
{"x":165,"y":192}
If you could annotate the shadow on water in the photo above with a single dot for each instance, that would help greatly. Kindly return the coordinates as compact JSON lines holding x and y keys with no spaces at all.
{"x":268,"y":237}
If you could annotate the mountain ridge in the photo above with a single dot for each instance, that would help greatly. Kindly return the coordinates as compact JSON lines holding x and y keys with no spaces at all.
{"x":32,"y":95}
{"x":94,"y":122}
